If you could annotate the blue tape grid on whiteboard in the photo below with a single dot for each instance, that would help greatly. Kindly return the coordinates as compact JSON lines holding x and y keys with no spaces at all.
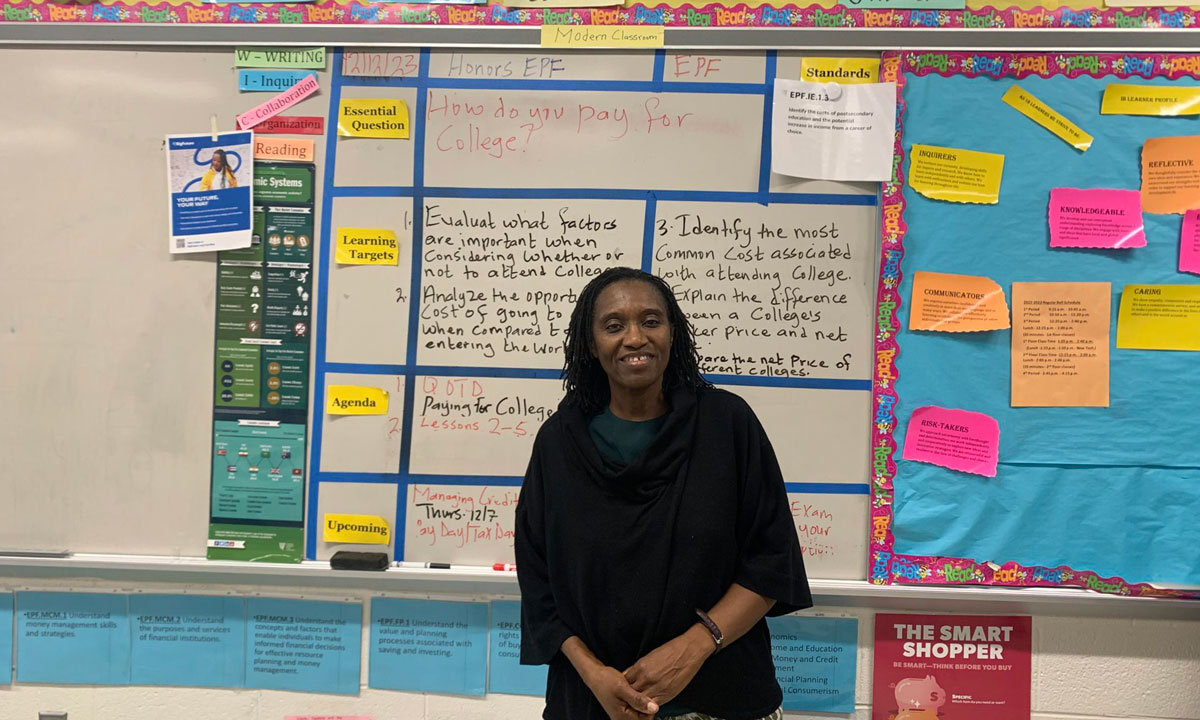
{"x":403,"y":478}
{"x":1113,"y":490}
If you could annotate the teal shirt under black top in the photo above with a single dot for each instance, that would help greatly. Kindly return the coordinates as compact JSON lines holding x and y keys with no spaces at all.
{"x":623,"y":441}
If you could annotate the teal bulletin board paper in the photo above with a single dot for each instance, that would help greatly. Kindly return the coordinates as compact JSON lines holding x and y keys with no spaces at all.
{"x":428,"y":646}
{"x":1114,"y":490}
{"x":303,"y":645}
{"x":6,"y":638}
{"x":188,"y":640}
{"x":72,"y":638}
{"x":506,"y":674}
{"x":815,"y":662}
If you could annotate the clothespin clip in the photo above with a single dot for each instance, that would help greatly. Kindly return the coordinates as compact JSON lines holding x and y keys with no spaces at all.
{"x":213,"y":124}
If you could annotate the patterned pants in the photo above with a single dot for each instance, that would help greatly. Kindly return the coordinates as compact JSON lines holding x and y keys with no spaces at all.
{"x":777,"y":715}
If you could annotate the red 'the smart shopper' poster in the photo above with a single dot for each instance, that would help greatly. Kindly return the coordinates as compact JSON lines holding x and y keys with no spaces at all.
{"x":951,"y":667}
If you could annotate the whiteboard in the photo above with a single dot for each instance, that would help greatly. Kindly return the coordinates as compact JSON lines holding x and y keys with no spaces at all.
{"x":106,"y":349}
{"x":106,"y":353}
{"x":528,"y":173}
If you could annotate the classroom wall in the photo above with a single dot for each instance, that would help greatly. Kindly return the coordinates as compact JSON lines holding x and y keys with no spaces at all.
{"x":1083,"y":669}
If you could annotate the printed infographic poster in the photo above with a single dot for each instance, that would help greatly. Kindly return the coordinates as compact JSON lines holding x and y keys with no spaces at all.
{"x":260,"y":374}
{"x":951,"y":666}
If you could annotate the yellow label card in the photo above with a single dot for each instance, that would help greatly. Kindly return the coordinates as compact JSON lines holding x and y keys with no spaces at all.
{"x":1159,"y":317}
{"x":607,"y":36}
{"x":1044,"y":115}
{"x":955,"y":175}
{"x":1150,"y":100}
{"x":367,"y":246}
{"x":847,"y":71}
{"x":368,"y":529}
{"x":373,"y":118}
{"x":355,"y":400}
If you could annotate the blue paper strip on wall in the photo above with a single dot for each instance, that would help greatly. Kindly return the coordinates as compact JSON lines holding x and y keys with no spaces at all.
{"x":72,"y":638}
{"x":275,"y":81}
{"x":303,"y":645}
{"x":428,"y":646}
{"x":6,"y":638}
{"x":815,"y":662}
{"x":188,"y":640}
{"x":506,"y":674}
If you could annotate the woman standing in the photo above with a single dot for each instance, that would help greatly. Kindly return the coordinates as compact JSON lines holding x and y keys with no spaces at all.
{"x":653,"y":530}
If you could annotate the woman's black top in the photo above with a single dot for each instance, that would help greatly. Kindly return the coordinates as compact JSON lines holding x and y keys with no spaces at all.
{"x":622,"y":555}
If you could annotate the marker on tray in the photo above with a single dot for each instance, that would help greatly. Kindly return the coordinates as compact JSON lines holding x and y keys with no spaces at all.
{"x":504,"y":567}
{"x":423,"y":565}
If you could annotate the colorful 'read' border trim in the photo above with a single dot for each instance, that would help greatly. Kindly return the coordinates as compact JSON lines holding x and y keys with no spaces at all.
{"x":341,"y":12}
{"x":888,"y":567}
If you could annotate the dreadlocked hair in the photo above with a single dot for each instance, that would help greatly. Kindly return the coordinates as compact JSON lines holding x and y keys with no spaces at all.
{"x":584,"y":379}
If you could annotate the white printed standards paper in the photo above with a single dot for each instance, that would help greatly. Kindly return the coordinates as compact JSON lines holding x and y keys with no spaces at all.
{"x":828,"y":131}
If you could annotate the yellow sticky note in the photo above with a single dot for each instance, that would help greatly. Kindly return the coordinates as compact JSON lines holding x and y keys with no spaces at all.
{"x":1150,"y":100}
{"x":846,"y":71}
{"x":356,"y":400}
{"x":630,"y":36}
{"x":368,"y":529}
{"x":367,"y":246}
{"x":1044,"y":115}
{"x":1159,"y":317}
{"x":276,"y":148}
{"x":955,"y":175}
{"x":373,"y":118}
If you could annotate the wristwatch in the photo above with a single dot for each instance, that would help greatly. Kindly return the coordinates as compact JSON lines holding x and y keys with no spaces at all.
{"x":717,"y":636}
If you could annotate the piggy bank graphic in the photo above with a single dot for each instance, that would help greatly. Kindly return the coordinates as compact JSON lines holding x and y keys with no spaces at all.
{"x":919,"y":698}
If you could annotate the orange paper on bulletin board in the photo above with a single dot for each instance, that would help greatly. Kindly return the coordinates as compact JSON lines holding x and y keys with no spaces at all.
{"x":1171,"y":174}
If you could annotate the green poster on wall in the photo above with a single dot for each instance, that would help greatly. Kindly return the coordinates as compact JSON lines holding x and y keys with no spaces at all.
{"x":260,"y":375}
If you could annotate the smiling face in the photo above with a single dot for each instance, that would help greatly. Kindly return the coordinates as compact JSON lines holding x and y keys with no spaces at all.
{"x":631,"y":337}
{"x":218,"y":161}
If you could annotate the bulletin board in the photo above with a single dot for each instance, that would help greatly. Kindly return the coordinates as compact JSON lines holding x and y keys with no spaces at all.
{"x":933,"y":16}
{"x":526,"y":174}
{"x":1096,"y":497}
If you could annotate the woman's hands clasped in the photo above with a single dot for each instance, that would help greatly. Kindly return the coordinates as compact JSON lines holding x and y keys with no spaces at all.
{"x":618,"y":698}
{"x":665,"y":671}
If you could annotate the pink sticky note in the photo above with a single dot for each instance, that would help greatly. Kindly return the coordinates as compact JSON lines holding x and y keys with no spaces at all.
{"x":955,"y":439}
{"x":279,"y":103}
{"x":1189,"y":243}
{"x":1110,"y":219}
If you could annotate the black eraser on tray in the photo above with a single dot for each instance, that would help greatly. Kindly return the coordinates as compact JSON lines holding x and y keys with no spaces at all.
{"x":354,"y":560}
